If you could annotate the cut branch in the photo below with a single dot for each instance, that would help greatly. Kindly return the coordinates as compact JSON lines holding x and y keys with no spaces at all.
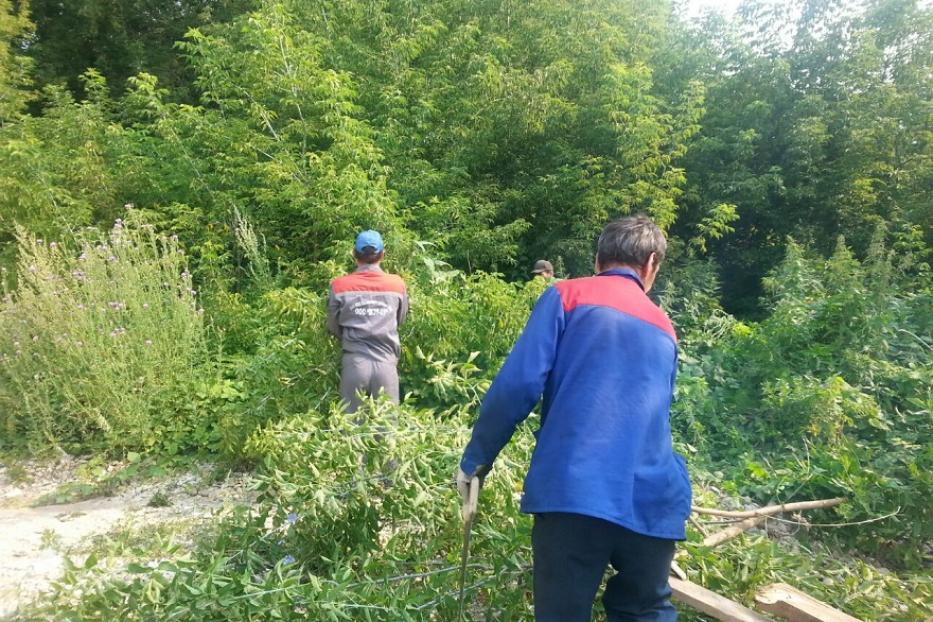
{"x":756,"y":517}
{"x":771,"y":509}
{"x":731,"y":532}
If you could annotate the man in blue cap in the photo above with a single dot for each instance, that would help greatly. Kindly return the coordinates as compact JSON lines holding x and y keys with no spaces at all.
{"x":364,"y":311}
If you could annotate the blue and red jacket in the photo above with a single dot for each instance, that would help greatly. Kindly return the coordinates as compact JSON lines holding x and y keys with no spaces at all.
{"x":604,"y":358}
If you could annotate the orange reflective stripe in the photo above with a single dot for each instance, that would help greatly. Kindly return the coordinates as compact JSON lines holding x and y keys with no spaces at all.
{"x":368,"y":282}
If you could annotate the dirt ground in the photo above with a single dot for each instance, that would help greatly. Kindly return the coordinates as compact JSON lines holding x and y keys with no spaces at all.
{"x":35,"y":538}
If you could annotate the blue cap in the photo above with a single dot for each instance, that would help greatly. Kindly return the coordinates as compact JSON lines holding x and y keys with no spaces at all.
{"x":369,"y":238}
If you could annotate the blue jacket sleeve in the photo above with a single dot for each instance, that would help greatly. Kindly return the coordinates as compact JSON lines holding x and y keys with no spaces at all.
{"x":674,"y":376}
{"x":519,"y":384}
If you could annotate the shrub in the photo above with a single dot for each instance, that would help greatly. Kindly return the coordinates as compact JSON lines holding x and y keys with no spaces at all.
{"x":292,"y":367}
{"x":357,"y":519}
{"x":830,"y":395}
{"x":102,"y":341}
{"x":461,"y":328}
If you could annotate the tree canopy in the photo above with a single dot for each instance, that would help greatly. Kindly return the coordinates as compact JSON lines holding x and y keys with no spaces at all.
{"x":498,"y":131}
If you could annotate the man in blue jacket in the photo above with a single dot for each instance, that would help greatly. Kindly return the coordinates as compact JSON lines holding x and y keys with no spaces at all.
{"x":605,"y":485}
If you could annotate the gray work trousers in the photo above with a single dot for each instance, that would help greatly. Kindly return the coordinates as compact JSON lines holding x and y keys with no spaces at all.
{"x":361,"y":374}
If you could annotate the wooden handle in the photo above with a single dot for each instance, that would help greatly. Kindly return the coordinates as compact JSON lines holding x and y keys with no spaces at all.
{"x":468,"y":511}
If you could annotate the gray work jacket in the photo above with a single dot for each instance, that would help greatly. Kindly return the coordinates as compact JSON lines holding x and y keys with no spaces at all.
{"x":364,"y":311}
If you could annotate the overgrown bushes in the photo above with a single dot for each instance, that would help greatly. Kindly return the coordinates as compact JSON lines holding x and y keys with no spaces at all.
{"x":830,"y":395}
{"x":491,"y":131}
{"x":103,"y":343}
{"x":357,"y":519}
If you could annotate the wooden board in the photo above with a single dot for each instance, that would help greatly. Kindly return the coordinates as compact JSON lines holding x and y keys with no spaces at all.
{"x":711,"y":603}
{"x":793,"y":605}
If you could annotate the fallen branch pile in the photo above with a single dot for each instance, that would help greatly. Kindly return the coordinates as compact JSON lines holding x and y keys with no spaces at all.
{"x":785,"y":602}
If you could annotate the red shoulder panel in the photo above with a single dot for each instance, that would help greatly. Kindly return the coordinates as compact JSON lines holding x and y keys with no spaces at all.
{"x":368,"y":282}
{"x":615,"y":292}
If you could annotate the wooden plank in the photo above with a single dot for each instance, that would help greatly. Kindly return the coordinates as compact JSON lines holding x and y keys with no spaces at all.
{"x":677,"y":571}
{"x":793,"y":605}
{"x":711,"y":603}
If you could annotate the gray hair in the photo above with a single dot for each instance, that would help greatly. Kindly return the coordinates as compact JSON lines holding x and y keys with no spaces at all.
{"x":630,"y":240}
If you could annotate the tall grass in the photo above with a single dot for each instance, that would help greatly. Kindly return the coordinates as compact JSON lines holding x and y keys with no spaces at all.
{"x":99,"y":338}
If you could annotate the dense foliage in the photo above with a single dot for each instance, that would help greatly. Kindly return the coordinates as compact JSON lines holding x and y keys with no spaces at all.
{"x":811,"y":129}
{"x":171,"y":213}
{"x":103,"y":346}
{"x":356,"y":521}
{"x":829,"y":395}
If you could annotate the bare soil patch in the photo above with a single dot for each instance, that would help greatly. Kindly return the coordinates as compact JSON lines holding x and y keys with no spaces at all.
{"x":34,"y":540}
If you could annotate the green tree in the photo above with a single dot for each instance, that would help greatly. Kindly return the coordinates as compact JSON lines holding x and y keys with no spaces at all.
{"x":119,"y":38}
{"x":15,"y":76}
{"x":817,"y":122}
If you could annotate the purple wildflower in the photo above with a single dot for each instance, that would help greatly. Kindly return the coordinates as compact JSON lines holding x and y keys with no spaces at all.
{"x":288,"y":559}
{"x":292,"y":518}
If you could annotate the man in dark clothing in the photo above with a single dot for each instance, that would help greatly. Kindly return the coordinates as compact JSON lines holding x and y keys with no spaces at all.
{"x":364,"y":311}
{"x":604,"y":485}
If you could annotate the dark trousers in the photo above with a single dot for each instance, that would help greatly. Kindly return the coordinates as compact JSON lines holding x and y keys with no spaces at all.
{"x":571,"y":553}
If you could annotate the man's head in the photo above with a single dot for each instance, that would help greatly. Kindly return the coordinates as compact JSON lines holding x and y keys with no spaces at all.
{"x":632,"y":242}
{"x":543,"y":268}
{"x":369,"y":248}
